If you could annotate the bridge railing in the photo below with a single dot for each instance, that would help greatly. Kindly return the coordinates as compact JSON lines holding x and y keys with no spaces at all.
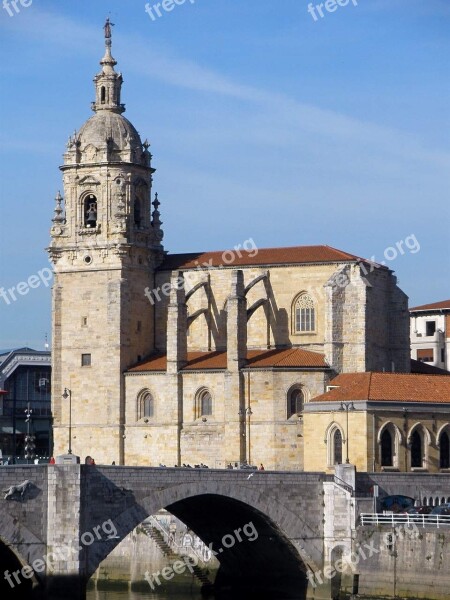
{"x":398,"y":518}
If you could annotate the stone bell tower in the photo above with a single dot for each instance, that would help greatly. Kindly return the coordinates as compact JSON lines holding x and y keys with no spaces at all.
{"x":105,"y":246}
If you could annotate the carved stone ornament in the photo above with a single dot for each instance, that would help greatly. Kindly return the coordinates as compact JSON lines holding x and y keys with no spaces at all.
{"x":15,"y":490}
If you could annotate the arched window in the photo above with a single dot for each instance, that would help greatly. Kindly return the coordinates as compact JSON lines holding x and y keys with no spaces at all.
{"x":335,"y":440}
{"x":90,"y":211}
{"x":387,"y":449}
{"x":146,"y":405}
{"x":416,"y":450}
{"x":204,"y":405}
{"x":444,"y":451}
{"x":389,"y":441}
{"x":103,"y":94}
{"x":337,"y":447}
{"x":295,"y":402}
{"x":304,"y":314}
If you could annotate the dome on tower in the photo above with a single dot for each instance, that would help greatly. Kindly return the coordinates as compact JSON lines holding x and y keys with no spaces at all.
{"x":106,"y":127}
{"x":107,"y":136}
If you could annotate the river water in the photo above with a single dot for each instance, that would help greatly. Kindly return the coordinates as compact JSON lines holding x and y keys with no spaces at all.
{"x":126,"y":595}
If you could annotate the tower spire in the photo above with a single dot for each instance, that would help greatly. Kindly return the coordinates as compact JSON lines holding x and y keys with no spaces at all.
{"x":108,"y":83}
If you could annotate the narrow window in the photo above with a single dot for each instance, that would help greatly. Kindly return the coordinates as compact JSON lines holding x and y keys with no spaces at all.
{"x":386,"y":449}
{"x":103,"y":95}
{"x":85,"y":360}
{"x":206,"y":404}
{"x":295,"y":402}
{"x":444,"y":451}
{"x":416,"y":450}
{"x":337,"y":447}
{"x":147,"y":406}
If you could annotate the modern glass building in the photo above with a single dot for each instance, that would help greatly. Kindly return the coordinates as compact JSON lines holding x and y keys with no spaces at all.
{"x":25,"y":404}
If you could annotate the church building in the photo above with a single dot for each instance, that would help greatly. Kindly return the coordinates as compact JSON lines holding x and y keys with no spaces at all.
{"x":207,"y":357}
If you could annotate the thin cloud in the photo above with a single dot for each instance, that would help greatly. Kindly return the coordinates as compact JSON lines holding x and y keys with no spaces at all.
{"x":159,"y":65}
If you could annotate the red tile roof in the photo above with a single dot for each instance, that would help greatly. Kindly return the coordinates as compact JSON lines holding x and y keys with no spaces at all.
{"x":206,"y":360}
{"x":389,"y":387}
{"x":261,"y":256}
{"x":444,"y":304}
{"x":292,"y":357}
{"x":256,"y":359}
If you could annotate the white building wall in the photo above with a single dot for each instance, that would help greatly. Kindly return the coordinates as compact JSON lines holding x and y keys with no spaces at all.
{"x":439,"y":343}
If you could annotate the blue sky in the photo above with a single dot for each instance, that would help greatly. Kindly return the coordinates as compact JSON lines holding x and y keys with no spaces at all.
{"x":264,"y":124}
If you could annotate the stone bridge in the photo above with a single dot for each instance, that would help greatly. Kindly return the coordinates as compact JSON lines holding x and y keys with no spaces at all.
{"x":69,"y":514}
{"x":70,"y":518}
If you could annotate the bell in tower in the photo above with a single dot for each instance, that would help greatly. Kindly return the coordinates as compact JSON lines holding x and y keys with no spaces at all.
{"x":91,"y":211}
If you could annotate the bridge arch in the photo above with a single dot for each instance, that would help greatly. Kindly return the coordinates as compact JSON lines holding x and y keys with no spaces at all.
{"x":13,"y":585}
{"x":286,"y":546}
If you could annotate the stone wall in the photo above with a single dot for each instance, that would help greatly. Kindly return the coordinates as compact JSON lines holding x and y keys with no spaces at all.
{"x":275,"y":441}
{"x":405,"y":563}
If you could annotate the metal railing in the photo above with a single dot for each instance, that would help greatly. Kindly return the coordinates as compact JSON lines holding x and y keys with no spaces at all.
{"x":404,"y":518}
{"x":343,"y":484}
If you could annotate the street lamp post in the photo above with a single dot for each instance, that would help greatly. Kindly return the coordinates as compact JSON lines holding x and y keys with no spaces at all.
{"x":29,"y":441}
{"x":68,"y":394}
{"x":247,"y":413}
{"x":347,"y":406}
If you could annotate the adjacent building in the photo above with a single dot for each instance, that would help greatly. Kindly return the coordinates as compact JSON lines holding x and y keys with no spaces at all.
{"x":25,"y":383}
{"x":430,"y":334}
{"x":380,"y":422}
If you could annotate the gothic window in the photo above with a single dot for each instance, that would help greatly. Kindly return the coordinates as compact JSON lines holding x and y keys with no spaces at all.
{"x":444,"y":451}
{"x":146,"y":405}
{"x":90,"y":211}
{"x":389,"y":440}
{"x":204,"y":406}
{"x":387,"y":449}
{"x":337,"y":447}
{"x":295,"y":401}
{"x":334,"y":439}
{"x":416,"y":450}
{"x":304,"y":314}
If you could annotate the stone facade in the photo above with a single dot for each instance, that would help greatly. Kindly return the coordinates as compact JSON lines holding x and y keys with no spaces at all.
{"x":119,"y":301}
